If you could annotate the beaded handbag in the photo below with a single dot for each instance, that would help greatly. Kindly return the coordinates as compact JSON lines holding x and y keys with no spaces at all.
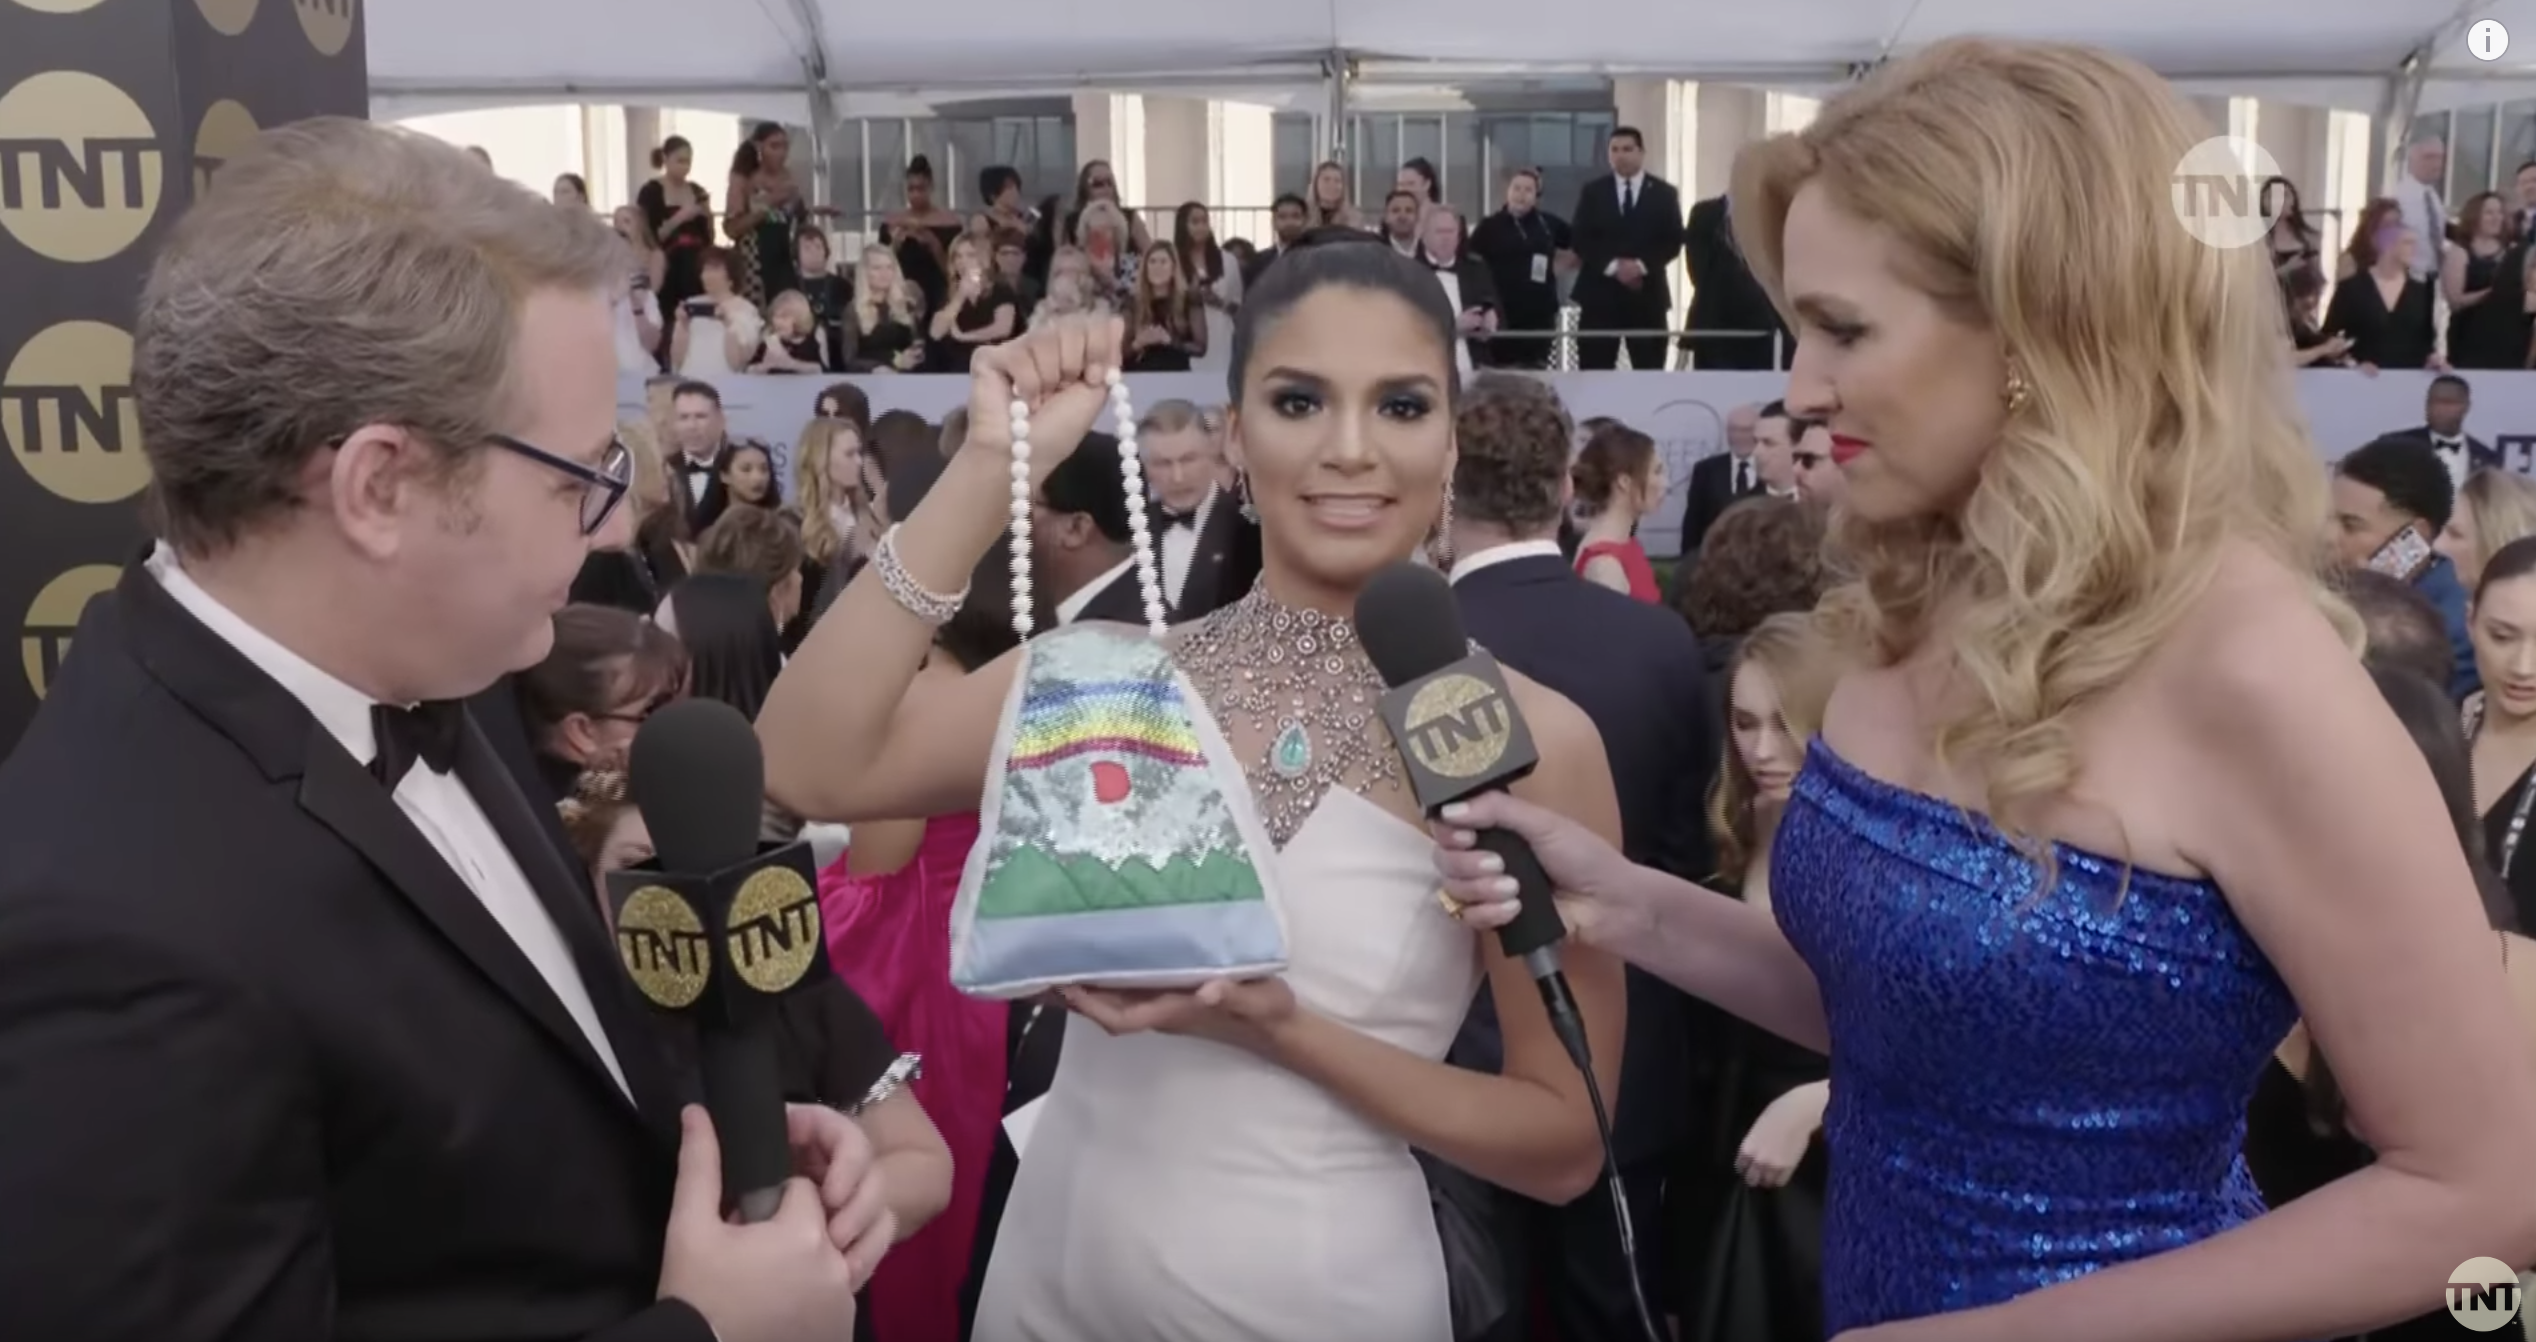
{"x":1119,"y":843}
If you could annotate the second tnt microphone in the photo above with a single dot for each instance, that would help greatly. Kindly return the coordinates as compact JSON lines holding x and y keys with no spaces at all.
{"x":718,"y":931}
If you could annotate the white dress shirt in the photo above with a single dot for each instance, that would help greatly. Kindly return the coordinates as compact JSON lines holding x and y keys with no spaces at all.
{"x":1071,"y":609}
{"x":439,"y":806}
{"x":1180,"y":548}
{"x":1452,"y":282}
{"x":1498,"y":554}
{"x":2452,"y":451}
{"x":2422,"y":211}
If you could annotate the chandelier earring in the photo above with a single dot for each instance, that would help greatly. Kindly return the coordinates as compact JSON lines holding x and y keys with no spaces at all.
{"x":2016,"y":393}
{"x":1439,"y":546}
{"x":1241,"y":494}
{"x":1131,"y":471}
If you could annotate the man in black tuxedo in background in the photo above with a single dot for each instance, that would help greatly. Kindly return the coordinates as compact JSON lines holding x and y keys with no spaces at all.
{"x":1628,"y":230}
{"x":1209,"y":552}
{"x":1080,"y":559}
{"x":307,"y":1030}
{"x":1726,"y":299}
{"x":1720,"y":480}
{"x":2443,"y":430}
{"x":1637,"y":671}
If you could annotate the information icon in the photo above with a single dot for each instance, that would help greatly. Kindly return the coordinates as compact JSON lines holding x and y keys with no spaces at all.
{"x":2487,"y":40}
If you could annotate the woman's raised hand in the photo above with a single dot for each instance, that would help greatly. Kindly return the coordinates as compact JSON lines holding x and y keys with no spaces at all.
{"x":1059,"y":372}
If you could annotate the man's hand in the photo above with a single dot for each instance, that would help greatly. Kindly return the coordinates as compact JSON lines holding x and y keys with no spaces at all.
{"x":781,"y":1280}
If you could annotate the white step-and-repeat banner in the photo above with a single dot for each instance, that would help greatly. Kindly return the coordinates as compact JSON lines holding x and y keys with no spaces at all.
{"x":1684,"y":412}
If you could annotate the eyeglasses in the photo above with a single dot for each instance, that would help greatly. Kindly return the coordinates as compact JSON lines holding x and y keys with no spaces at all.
{"x":604,"y":485}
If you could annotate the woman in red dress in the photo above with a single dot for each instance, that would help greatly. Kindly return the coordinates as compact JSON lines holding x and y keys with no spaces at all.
{"x":1619,"y":478}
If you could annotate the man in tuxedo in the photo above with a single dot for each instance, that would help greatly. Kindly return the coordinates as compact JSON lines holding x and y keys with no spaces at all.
{"x":1286,"y":218}
{"x":1628,"y":230}
{"x":1080,"y":559}
{"x":307,"y":1030}
{"x":702,"y":437}
{"x":1208,"y":551}
{"x":2443,"y":430}
{"x":1636,"y":671}
{"x":1721,"y":480}
{"x":1732,"y":322}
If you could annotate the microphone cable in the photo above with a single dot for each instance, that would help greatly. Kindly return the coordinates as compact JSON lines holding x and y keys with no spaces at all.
{"x":1569,"y":1024}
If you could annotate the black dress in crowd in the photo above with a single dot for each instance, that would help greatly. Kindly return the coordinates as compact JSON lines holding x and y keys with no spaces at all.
{"x":1750,"y":1260}
{"x":2492,"y":333}
{"x":952,"y":356}
{"x":2401,"y":336}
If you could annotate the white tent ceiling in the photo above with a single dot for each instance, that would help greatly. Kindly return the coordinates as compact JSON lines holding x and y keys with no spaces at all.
{"x":759,"y":56}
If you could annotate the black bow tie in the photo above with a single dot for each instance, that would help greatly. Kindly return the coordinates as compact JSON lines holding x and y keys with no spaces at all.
{"x":1172,"y":519}
{"x":2448,"y":444}
{"x":427,"y":732}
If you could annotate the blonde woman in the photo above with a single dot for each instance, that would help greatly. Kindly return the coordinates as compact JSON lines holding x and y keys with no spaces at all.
{"x":2494,"y":508}
{"x":1110,"y":245}
{"x":1072,"y":288}
{"x":1327,"y":204}
{"x":2070,"y":855}
{"x":833,"y":485}
{"x":795,"y":342}
{"x":885,"y":327}
{"x":1752,"y":1197}
{"x":981,"y":310}
{"x":1166,"y":327}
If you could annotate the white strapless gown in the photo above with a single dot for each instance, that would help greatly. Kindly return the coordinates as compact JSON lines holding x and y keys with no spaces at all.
{"x":1176,"y":1190}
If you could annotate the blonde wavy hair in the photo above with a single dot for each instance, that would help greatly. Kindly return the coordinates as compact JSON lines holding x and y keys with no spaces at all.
{"x":2501,"y":506}
{"x":2027,"y":187}
{"x":812,"y":485}
{"x":1792,"y":651}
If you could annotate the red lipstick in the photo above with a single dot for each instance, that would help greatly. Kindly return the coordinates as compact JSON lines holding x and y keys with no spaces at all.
{"x":1846,"y":449}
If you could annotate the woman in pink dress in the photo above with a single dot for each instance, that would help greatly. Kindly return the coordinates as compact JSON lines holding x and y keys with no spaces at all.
{"x":887,"y":905}
{"x":1618,"y":479}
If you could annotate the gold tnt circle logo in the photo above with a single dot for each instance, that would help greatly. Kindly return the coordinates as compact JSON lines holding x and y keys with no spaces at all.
{"x":1458,"y":725}
{"x":61,"y":6}
{"x":81,"y":174}
{"x":44,"y":639}
{"x":774,"y":930}
{"x":663,"y":944}
{"x":67,"y":409}
{"x":227,"y":129}
{"x":328,"y":23}
{"x":227,"y":17}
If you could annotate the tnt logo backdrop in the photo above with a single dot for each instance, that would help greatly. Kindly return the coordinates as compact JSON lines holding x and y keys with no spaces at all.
{"x":115,"y":115}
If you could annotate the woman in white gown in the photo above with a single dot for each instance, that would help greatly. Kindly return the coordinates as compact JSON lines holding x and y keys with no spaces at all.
{"x":1234,"y":1164}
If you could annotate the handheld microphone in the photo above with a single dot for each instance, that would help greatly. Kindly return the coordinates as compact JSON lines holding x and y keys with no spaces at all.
{"x":718,"y":930}
{"x":1459,"y":735}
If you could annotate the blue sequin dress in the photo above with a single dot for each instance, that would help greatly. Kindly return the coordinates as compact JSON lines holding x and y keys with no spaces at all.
{"x":2023,"y":1090}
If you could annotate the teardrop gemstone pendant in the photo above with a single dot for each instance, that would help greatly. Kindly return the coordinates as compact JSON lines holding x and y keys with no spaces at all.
{"x":1292,"y":753}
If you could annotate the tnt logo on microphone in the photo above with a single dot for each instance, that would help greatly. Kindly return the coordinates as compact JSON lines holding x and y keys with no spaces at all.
{"x":2218,"y":192}
{"x":662,"y":941}
{"x":2483,"y":1294}
{"x":774,"y":930}
{"x":81,"y":172}
{"x":1458,"y":725}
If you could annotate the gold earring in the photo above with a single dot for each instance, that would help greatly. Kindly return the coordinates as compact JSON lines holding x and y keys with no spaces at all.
{"x":2016,"y":391}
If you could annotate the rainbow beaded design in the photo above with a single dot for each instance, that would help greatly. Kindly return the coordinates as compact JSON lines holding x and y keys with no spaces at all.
{"x":1117,"y":833}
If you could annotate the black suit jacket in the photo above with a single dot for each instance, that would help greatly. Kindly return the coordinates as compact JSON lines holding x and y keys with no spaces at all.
{"x":1726,"y":297}
{"x":2479,"y":454}
{"x":1225,"y":562}
{"x":1637,"y":672}
{"x":1711,"y":493}
{"x":270,"y":1069}
{"x":1651,"y":233}
{"x":1119,"y":599}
